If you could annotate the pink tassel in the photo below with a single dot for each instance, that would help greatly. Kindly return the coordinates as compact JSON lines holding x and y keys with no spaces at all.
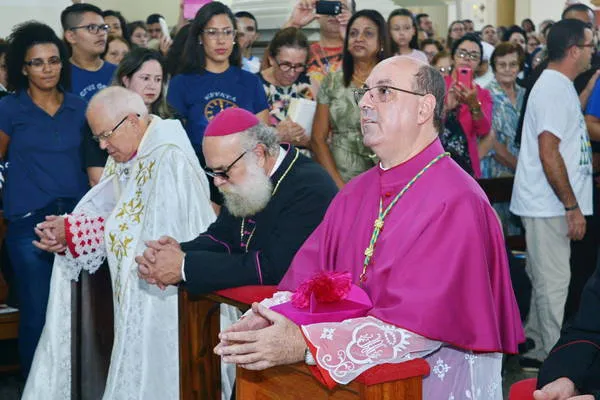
{"x":328,"y":287}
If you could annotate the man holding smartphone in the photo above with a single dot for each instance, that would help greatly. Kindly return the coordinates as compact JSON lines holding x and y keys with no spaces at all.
{"x":325,"y":55}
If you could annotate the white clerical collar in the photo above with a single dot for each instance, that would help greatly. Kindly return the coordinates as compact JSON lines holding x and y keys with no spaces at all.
{"x":279,"y":160}
{"x":382,"y":167}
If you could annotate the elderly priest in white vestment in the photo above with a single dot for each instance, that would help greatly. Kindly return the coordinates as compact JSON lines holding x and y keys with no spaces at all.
{"x":152,"y":186}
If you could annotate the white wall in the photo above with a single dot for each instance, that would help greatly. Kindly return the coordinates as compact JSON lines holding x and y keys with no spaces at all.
{"x":539,"y":10}
{"x":13,"y":12}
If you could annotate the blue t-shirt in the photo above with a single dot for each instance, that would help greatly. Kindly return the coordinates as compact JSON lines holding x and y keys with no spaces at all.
{"x":44,"y":153}
{"x":199,"y":97}
{"x":86,"y":83}
{"x":593,"y":109}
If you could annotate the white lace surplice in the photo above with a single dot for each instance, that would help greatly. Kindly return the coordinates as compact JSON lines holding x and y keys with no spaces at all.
{"x":347,"y":349}
{"x":162,"y":191}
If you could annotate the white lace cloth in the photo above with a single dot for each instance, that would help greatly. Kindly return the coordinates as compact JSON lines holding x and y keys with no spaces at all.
{"x":347,"y":349}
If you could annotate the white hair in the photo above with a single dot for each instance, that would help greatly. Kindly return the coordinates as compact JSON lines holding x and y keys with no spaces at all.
{"x":116,"y":102}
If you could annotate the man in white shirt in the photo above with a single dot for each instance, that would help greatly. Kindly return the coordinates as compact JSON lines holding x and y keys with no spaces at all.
{"x":553,"y":182}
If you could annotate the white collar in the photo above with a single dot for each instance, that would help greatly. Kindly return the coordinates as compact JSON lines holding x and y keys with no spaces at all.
{"x":279,"y":160}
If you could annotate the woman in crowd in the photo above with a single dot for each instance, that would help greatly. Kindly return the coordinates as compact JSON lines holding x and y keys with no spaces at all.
{"x":116,"y":49}
{"x":456,"y":30}
{"x":117,"y":25}
{"x":285,"y":80}
{"x":527,"y":25}
{"x":143,"y":72}
{"x":533,"y":42}
{"x":41,"y":125}
{"x":516,"y":35}
{"x":138,"y":34}
{"x":468,"y":106}
{"x":345,"y":156}
{"x":431,"y":47}
{"x":507,"y":60}
{"x":212,"y":79}
{"x":442,"y":61}
{"x":402,"y":28}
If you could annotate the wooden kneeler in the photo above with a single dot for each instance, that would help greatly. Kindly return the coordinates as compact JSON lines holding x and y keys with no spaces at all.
{"x":200,"y":368}
{"x":386,"y":382}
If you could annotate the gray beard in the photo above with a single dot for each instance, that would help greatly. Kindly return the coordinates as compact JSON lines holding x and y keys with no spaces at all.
{"x":250,"y":197}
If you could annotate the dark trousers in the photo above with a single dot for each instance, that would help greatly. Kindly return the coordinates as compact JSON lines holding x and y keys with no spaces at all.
{"x":33,"y":270}
{"x":584,"y":257}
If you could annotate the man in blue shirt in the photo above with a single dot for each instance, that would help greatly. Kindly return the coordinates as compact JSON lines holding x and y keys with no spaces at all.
{"x":86,"y":33}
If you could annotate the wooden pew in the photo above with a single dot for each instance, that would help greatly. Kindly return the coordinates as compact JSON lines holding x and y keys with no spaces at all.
{"x":200,"y":368}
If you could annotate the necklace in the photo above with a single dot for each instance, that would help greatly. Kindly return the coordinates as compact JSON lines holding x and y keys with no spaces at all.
{"x":360,"y":81}
{"x":243,"y":225}
{"x":378,"y":224}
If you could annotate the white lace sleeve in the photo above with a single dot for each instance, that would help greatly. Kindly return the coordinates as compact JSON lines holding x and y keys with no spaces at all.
{"x":347,"y":349}
{"x":462,"y":375}
{"x":85,"y":244}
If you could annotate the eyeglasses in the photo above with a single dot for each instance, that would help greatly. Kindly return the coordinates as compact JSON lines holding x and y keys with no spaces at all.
{"x":474,"y":56}
{"x":38,"y":63}
{"x":445,"y":70}
{"x":382,"y":93}
{"x":586,"y":45}
{"x":214,"y":34}
{"x":92,"y":28}
{"x":286,"y":66}
{"x":106,"y":135}
{"x":223,"y":174}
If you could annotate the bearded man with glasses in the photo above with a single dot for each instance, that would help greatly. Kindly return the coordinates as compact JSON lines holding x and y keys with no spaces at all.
{"x":437,"y":291}
{"x":274,"y":198}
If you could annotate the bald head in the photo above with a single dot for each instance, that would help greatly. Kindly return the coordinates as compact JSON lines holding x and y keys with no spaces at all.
{"x":420,"y":77}
{"x":116,"y":101}
{"x":118,"y":119}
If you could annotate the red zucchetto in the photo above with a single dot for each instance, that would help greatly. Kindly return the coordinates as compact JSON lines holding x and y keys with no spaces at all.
{"x":230,"y":121}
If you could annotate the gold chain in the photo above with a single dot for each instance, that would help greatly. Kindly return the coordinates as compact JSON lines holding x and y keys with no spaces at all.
{"x":272,"y":194}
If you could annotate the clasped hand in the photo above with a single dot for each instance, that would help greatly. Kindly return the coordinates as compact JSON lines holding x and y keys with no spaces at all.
{"x":160,"y":264}
{"x":261,"y":340}
{"x":560,"y":389}
{"x":52,"y":234}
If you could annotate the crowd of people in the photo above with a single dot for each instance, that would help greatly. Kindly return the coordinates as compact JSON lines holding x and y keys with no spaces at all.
{"x":201,"y":171}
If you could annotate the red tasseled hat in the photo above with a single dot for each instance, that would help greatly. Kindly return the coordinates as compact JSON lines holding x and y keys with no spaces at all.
{"x":229,"y":121}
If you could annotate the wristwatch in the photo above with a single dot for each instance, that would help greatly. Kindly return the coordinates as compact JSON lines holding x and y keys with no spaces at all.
{"x":575,"y":207}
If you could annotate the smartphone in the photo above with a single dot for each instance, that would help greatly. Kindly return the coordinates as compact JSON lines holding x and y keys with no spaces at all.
{"x":328,"y":7}
{"x":465,"y":76}
{"x":164,"y":28}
